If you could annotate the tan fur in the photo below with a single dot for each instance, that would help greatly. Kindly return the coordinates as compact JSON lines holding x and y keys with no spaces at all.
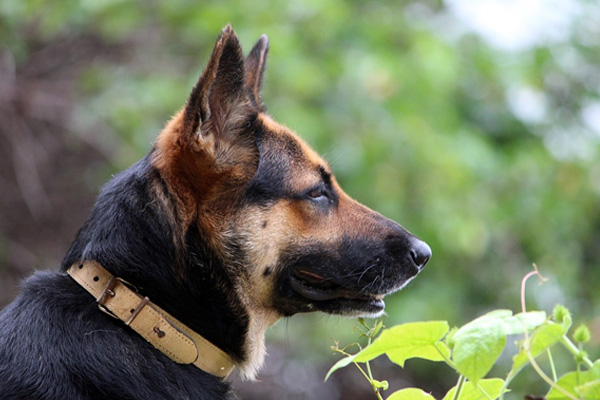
{"x":206,"y":165}
{"x":268,"y":232}
{"x":263,"y":245}
{"x":265,"y":232}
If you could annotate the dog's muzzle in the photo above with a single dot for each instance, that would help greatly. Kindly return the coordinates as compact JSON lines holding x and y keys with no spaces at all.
{"x":354,"y":278}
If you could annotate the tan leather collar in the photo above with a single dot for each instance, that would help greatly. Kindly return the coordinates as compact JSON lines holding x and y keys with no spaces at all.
{"x":119,"y":299}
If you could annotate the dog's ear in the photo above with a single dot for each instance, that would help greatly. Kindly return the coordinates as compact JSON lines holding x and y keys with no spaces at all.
{"x":209,"y":148}
{"x":255,"y":68}
{"x":219,"y":95}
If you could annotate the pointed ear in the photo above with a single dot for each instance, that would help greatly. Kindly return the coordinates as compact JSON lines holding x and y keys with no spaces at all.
{"x":255,"y":68}
{"x":219,"y":89}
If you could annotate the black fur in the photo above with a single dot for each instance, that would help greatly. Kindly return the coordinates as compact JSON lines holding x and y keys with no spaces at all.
{"x":271,"y":181}
{"x":357,"y":265}
{"x":56,"y":344}
{"x":128,"y":234}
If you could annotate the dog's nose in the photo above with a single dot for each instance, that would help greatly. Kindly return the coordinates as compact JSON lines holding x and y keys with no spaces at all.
{"x":420,"y":253}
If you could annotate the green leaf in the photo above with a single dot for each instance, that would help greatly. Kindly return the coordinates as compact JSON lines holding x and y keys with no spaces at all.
{"x":472,"y":391}
{"x":410,"y":394}
{"x":517,"y":323}
{"x":566,"y":323}
{"x":377,"y":328}
{"x":449,"y":339}
{"x":380,"y":384}
{"x":362,"y":322}
{"x":478,"y":344}
{"x":587,"y":382}
{"x":340,"y":364}
{"x":411,"y":340}
{"x":496,"y":318}
{"x":590,"y":390}
{"x":542,"y":338}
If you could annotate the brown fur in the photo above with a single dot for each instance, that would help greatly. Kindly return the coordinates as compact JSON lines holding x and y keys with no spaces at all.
{"x":208,"y":158}
{"x":229,"y":224}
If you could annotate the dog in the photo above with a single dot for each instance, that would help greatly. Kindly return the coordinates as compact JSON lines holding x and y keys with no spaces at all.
{"x":230,"y":223}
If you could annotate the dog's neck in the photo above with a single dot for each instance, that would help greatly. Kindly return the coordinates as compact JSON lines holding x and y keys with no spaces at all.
{"x":131,"y":232}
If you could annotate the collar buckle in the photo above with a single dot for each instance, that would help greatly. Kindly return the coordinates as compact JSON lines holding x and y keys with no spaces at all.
{"x":120,"y":300}
{"x":109,"y":291}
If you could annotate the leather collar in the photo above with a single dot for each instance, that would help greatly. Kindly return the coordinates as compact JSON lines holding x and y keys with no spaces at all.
{"x":120,"y":300}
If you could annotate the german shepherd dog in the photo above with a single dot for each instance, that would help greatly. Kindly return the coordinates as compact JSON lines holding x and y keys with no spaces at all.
{"x":230,"y":223}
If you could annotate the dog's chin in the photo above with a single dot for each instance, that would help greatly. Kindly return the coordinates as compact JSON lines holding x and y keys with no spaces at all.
{"x":338,"y":300}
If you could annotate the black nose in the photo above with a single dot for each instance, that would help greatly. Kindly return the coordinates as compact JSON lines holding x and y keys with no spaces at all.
{"x":420,"y":253}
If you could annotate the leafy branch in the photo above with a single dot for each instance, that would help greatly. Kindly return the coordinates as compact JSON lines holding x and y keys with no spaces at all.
{"x":473,"y":349}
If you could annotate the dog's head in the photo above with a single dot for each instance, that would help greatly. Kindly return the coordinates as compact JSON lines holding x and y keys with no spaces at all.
{"x":270,"y":208}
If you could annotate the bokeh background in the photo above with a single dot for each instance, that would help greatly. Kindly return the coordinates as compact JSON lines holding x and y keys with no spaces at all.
{"x":475,"y":124}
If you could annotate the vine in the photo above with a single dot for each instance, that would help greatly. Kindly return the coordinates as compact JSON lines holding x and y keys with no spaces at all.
{"x":473,"y":349}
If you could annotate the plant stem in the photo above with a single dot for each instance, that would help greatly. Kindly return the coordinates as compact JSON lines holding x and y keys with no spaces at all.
{"x":504,"y":389}
{"x":446,"y":359}
{"x":523,"y":306}
{"x":459,"y":386}
{"x":551,"y":360}
{"x":526,"y":342}
{"x":371,"y":374}
{"x":545,"y":377}
{"x":369,"y":371}
{"x":369,"y":365}
{"x":565,"y":341}
{"x":370,"y":379}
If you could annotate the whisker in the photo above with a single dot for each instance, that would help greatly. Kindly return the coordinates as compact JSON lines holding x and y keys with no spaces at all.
{"x":365,"y":271}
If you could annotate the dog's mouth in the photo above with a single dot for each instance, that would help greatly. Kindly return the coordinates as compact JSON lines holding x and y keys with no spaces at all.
{"x":321,"y":290}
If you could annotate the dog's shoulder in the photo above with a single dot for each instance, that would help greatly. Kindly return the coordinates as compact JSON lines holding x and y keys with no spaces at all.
{"x":32,"y":343}
{"x":37,"y":301}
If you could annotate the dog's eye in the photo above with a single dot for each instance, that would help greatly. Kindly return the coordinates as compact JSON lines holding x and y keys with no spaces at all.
{"x":320,"y":197}
{"x":316,"y":194}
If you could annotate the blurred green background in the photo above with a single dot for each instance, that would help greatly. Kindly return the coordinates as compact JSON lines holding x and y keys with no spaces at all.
{"x":476,"y":125}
